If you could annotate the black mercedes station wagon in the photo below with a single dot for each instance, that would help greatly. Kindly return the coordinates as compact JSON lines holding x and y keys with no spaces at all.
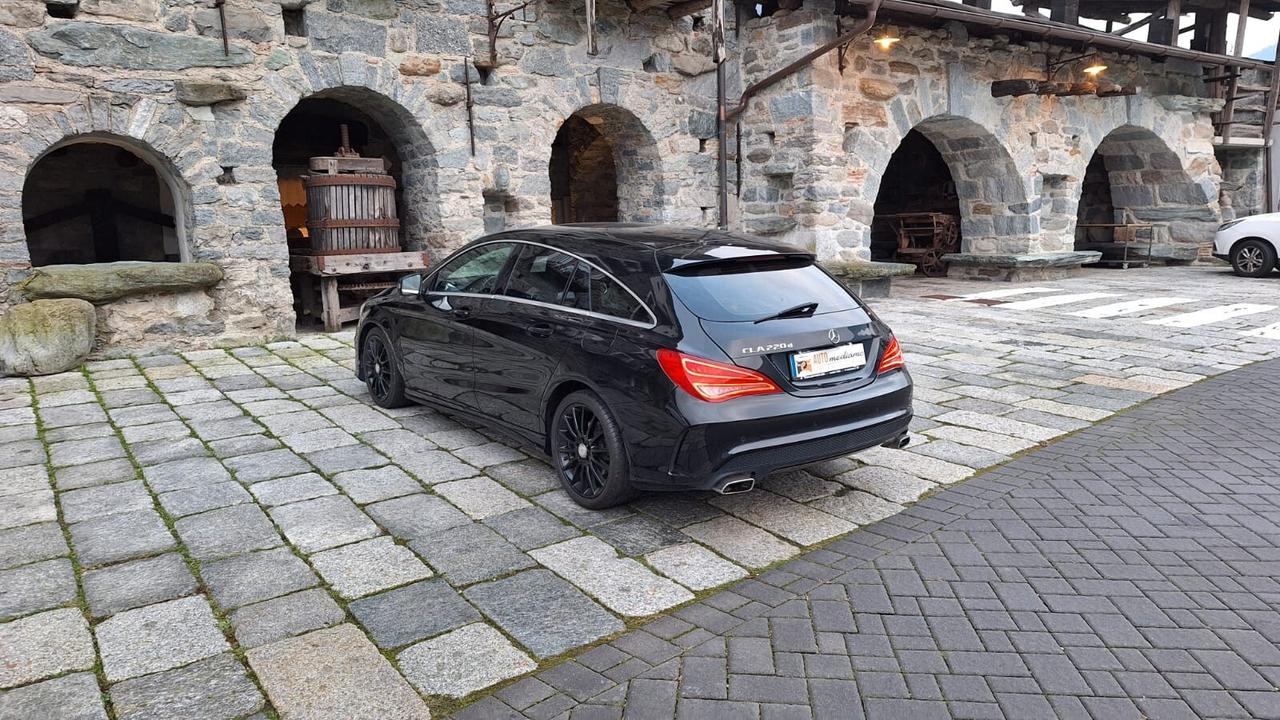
{"x":642,"y":357}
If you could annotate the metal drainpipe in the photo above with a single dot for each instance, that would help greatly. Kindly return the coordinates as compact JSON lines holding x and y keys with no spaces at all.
{"x":727,"y":115}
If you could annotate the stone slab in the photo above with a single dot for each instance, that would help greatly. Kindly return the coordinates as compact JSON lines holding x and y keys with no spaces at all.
{"x":158,"y":637}
{"x":741,"y":542}
{"x":416,"y":516}
{"x":481,"y":497}
{"x":471,"y":553}
{"x":120,"y":537}
{"x":256,"y":576}
{"x":294,"y":488}
{"x":367,"y":486}
{"x":366,"y":567}
{"x":140,"y":582}
{"x":322,"y":523}
{"x":463,"y":661}
{"x":531,"y":527}
{"x":227,"y":531}
{"x":413,"y":612}
{"x":283,"y":617}
{"x":543,"y":613}
{"x":331,"y":674}
{"x":34,"y":587}
{"x":694,"y":566}
{"x":70,"y":697}
{"x":211,"y":689}
{"x":620,"y":584}
{"x":43,"y":645}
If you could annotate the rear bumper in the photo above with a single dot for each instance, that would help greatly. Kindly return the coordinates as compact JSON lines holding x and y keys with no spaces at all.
{"x":709,"y":453}
{"x":1223,"y":256}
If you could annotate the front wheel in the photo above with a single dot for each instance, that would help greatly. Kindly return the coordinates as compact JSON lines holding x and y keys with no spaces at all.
{"x":586,"y":446}
{"x":1253,"y":258}
{"x":381,"y":371}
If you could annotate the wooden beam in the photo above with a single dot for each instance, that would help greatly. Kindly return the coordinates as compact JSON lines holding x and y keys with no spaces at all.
{"x":980,"y":4}
{"x":1241,"y":22}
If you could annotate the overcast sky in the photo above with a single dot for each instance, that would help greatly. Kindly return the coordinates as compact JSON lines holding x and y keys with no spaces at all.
{"x":1258,"y":36}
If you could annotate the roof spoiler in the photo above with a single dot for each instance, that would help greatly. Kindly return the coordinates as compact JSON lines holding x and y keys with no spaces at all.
{"x":742,"y":263}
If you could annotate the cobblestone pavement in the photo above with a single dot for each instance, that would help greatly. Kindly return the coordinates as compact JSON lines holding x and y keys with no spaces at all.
{"x":1128,"y":571}
{"x":225,"y":533}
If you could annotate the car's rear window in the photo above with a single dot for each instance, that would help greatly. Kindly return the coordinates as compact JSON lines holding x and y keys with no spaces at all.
{"x":751,"y":290}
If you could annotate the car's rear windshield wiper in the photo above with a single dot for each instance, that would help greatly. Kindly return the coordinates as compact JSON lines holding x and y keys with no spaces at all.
{"x":801,"y":310}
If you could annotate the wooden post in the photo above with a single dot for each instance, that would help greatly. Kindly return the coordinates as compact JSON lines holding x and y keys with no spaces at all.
{"x":329,"y":302}
{"x":1065,"y":11}
{"x":1241,"y":22}
{"x":592,"y":47}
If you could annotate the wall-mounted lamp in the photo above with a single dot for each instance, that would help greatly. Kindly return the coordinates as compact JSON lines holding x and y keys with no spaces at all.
{"x":1094,"y":70}
{"x":886,"y":41}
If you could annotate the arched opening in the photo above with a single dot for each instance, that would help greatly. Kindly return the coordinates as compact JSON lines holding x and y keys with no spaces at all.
{"x":102,"y":199}
{"x":374,"y":195}
{"x":917,"y":200}
{"x":604,"y":168}
{"x":1134,"y":194}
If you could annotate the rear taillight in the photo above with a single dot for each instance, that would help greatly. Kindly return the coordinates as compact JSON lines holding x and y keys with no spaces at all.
{"x":891,"y":359}
{"x":713,"y":381}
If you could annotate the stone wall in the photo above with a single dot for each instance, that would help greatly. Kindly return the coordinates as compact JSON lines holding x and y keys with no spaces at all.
{"x":152,"y":76}
{"x":1018,"y":163}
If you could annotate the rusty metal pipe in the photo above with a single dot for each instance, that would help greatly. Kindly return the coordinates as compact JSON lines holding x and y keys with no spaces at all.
{"x":800,"y":63}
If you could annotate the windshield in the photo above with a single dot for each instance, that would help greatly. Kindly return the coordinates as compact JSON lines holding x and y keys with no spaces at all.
{"x":750,"y":291}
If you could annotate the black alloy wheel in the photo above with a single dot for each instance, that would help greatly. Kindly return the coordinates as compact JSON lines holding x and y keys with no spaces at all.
{"x":381,"y":376}
{"x":588,"y":451}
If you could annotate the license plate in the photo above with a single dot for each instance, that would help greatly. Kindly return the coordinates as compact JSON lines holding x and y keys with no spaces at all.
{"x":813,"y":363}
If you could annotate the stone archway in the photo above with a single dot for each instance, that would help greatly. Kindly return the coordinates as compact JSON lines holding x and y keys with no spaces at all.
{"x":102,"y":197}
{"x":379,"y":127}
{"x":980,"y":177}
{"x":605,"y":166}
{"x":1134,"y":176}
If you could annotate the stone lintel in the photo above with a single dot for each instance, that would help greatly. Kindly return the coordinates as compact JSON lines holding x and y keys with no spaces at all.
{"x":103,"y":282}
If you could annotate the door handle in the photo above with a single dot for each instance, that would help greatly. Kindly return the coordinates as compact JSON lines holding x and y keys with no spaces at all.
{"x":462,"y":313}
{"x":541,"y":330}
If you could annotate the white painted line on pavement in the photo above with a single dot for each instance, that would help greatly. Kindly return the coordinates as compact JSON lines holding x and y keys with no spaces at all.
{"x":1054,"y":300}
{"x":1007,"y":292}
{"x":1131,"y":306}
{"x":1271,"y":332}
{"x":1211,"y":315}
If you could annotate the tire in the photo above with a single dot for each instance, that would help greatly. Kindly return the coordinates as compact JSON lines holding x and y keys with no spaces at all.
{"x":1253,"y":258}
{"x":588,"y":452}
{"x":382,"y":370}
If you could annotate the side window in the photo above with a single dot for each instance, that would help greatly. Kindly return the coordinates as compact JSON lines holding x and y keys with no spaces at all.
{"x":610,"y":298}
{"x":543,"y":275}
{"x":474,"y":271}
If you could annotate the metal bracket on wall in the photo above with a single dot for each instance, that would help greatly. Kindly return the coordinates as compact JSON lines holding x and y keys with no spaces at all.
{"x":842,"y":8}
{"x":496,"y":19}
{"x":222,"y":23}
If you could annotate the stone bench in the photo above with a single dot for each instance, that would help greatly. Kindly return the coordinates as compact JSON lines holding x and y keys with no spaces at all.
{"x":104,"y":282}
{"x":1018,"y":268}
{"x":868,"y":279}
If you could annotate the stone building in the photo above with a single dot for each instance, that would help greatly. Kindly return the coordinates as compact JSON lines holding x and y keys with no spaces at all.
{"x":177,"y":131}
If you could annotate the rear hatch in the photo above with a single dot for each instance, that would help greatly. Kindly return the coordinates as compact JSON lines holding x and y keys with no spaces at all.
{"x":826,"y":344}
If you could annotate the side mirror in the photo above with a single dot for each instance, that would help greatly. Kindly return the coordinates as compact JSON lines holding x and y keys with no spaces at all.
{"x":411,"y":284}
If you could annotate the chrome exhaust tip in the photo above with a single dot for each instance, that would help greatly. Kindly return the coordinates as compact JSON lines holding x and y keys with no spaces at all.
{"x":899,"y":442}
{"x":735,"y":485}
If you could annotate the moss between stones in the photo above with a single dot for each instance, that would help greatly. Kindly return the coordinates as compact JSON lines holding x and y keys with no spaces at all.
{"x":103,"y":282}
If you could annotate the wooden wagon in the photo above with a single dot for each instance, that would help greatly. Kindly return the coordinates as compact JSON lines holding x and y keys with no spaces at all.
{"x":924,"y":237}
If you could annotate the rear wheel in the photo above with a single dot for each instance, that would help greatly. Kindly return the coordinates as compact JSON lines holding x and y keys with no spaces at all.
{"x":586,"y":445}
{"x":1253,"y":258}
{"x":381,"y":370}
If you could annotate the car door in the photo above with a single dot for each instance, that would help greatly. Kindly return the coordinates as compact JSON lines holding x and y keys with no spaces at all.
{"x":437,"y":332}
{"x":521,"y":334}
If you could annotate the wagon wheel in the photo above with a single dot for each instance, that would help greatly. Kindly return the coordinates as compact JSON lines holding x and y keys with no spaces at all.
{"x":932,"y":266}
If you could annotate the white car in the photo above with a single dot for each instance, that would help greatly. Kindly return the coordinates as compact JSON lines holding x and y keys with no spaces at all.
{"x":1250,"y":244}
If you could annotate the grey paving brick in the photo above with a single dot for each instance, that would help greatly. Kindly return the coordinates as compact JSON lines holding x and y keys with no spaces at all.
{"x":38,"y":586}
{"x":227,"y":531}
{"x":210,"y":689}
{"x":158,"y":637}
{"x":283,"y":617}
{"x":120,"y":537}
{"x":29,"y":543}
{"x":195,"y":500}
{"x":531,"y":527}
{"x":414,"y":612}
{"x":471,"y":553}
{"x":71,"y":697}
{"x":256,"y":576}
{"x":136,"y":583}
{"x":185,"y":473}
{"x":416,"y":516}
{"x":542,"y":612}
{"x":102,"y":472}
